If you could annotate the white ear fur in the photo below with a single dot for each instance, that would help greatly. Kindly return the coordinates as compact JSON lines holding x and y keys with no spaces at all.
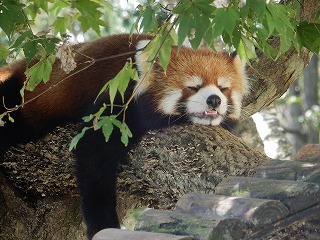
{"x":142,"y":67}
{"x":141,"y":57}
{"x":241,"y":68}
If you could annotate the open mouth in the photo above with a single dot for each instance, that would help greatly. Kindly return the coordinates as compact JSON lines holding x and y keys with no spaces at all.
{"x":213,"y":113}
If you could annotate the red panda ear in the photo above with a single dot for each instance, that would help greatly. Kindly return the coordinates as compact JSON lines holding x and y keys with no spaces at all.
{"x":141,"y":57}
{"x":142,"y":66}
{"x":240,"y":65}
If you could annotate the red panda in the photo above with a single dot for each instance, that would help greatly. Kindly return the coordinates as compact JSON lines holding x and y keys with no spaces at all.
{"x":199,"y":86}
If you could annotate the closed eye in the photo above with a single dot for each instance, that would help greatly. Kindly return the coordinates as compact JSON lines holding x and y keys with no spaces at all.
{"x":222,"y":89}
{"x":194,"y":88}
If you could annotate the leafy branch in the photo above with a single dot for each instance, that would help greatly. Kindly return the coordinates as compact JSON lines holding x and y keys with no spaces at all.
{"x":160,"y":47}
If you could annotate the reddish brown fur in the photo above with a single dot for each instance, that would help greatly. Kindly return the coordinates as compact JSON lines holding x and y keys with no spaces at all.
{"x":182,"y":67}
{"x":71,"y":97}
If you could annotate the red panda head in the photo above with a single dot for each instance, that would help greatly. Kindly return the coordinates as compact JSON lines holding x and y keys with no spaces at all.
{"x":206,"y":86}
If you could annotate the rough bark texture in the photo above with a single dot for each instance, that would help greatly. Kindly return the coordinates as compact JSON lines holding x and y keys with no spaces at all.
{"x":163,"y":166}
{"x":172,"y":162}
{"x":52,"y":217}
{"x":38,"y":196}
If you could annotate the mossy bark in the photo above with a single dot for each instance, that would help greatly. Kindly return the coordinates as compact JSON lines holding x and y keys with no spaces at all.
{"x":39,"y":191}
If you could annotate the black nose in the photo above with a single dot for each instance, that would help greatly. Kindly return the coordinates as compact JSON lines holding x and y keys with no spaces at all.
{"x":214,"y":101}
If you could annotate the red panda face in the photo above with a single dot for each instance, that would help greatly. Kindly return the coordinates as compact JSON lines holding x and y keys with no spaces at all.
{"x":206,"y":87}
{"x":206,"y":105}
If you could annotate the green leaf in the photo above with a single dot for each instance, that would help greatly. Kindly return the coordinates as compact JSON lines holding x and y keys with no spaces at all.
{"x":233,"y":16}
{"x":246,"y":49}
{"x":268,"y":50}
{"x":285,"y":42}
{"x":31,"y":43}
{"x":129,"y":73}
{"x":209,"y":39}
{"x":161,"y":44}
{"x":12,"y":17}
{"x":165,"y":51}
{"x":148,"y":19}
{"x":61,"y":25}
{"x":40,"y":72}
{"x":107,"y":128}
{"x":34,"y":7}
{"x":119,"y":82}
{"x":24,"y":37}
{"x":236,"y":36}
{"x":113,"y":86}
{"x":124,"y":129}
{"x":185,"y":24}
{"x":206,"y":7}
{"x":153,"y":47}
{"x":41,"y":4}
{"x":183,"y":6}
{"x":90,"y":14}
{"x":125,"y":133}
{"x":116,"y":122}
{"x":4,"y":52}
{"x":88,"y":118}
{"x":258,"y":7}
{"x":201,"y":26}
{"x":281,"y":17}
{"x":77,"y":138}
{"x":262,"y":32}
{"x":270,"y":23}
{"x":219,"y":20}
{"x":309,"y":34}
{"x":30,"y":49}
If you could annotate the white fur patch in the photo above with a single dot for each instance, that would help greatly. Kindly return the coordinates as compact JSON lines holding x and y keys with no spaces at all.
{"x":194,"y":81}
{"x":197,"y":103}
{"x":241,"y":68}
{"x":224,"y":82}
{"x":142,"y":67}
{"x":168,"y":103}
{"x":237,"y":103}
{"x":207,"y":121}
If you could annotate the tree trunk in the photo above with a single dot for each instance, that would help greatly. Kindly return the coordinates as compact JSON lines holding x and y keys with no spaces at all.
{"x":162,"y":167}
{"x":310,"y":96}
{"x":292,"y":126}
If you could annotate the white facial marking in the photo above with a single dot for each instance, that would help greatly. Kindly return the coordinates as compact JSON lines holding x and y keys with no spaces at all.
{"x":193,"y":81}
{"x":224,"y":82}
{"x":198,"y":108}
{"x":142,"y":66}
{"x":169,"y":102}
{"x":237,"y":103}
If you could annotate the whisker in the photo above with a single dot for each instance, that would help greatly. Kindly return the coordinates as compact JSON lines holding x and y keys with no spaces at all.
{"x":177,"y":119}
